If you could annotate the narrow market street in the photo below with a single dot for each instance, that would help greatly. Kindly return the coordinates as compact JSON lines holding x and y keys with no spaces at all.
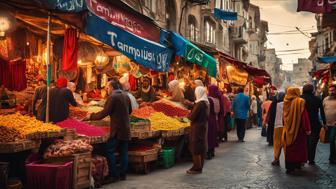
{"x":239,"y":165}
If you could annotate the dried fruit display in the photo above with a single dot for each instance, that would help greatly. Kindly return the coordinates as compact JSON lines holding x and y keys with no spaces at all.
{"x":78,"y":113}
{"x":82,"y":128}
{"x":159,"y":121}
{"x":169,"y":109}
{"x":26,"y":125}
{"x":144,"y":112}
{"x":9,"y":135}
{"x":66,"y":148}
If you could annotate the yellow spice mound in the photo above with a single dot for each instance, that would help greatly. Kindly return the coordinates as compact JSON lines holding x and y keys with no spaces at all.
{"x":159,"y":121}
{"x":26,"y":125}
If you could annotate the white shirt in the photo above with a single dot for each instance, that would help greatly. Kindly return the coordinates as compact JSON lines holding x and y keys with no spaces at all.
{"x":134,"y":103}
{"x":254,"y":107}
{"x":279,"y":115}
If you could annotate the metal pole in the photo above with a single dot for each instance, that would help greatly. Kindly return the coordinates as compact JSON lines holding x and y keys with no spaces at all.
{"x":48,"y":67}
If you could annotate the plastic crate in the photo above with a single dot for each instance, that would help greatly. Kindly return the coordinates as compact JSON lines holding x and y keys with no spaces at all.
{"x":167,"y":158}
{"x":51,"y":176}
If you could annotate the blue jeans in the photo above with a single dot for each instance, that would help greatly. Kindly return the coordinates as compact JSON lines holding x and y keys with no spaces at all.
{"x":332,"y":140}
{"x":112,"y":145}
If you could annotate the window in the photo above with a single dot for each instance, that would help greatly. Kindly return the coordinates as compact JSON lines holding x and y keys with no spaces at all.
{"x":151,"y":5}
{"x":210,"y":33}
{"x":192,"y":26}
{"x":220,"y":4}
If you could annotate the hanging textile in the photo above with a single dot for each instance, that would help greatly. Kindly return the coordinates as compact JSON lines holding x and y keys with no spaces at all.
{"x":70,"y":50}
{"x":13,"y":75}
{"x":132,"y":82}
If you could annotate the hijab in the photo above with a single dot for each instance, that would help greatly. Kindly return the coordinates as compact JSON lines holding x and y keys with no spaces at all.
{"x":177,"y":92}
{"x":200,"y":94}
{"x":199,"y":82}
{"x":215,"y":93}
{"x":293,"y":109}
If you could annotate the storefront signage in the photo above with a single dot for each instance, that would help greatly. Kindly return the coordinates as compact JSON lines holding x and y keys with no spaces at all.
{"x":66,"y":5}
{"x":317,"y":6}
{"x":197,"y":56}
{"x":225,"y":15}
{"x":142,"y":51}
{"x":236,"y":75}
{"x":125,"y":19}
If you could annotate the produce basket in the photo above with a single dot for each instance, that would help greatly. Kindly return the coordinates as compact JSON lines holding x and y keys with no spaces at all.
{"x":51,"y":176}
{"x":167,"y":157}
{"x":13,"y":147}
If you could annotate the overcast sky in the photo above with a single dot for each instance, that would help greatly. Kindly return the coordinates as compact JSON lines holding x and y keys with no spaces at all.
{"x":282,"y":16}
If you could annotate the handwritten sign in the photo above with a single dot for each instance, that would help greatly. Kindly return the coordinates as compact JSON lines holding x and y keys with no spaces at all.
{"x":125,"y":19}
{"x":147,"y":53}
{"x":67,"y":5}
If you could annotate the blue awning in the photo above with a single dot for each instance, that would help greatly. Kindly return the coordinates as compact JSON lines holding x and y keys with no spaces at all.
{"x":327,"y":59}
{"x":225,"y":15}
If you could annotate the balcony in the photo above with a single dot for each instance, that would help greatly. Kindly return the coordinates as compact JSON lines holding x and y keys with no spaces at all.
{"x":239,"y":36}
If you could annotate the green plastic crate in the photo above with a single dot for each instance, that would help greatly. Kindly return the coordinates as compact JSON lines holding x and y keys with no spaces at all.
{"x":167,"y":158}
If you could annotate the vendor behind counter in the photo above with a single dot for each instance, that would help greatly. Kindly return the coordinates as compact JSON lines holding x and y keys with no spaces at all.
{"x":146,"y":92}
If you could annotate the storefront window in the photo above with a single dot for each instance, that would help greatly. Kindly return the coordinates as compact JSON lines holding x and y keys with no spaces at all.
{"x":192,"y":26}
{"x":210,"y":32}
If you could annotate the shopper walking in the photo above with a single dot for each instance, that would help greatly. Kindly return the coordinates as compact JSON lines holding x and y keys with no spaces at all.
{"x":265,"y":108}
{"x":271,"y":121}
{"x":329,"y":104}
{"x":296,"y":129}
{"x":213,"y":123}
{"x":197,"y":136}
{"x":254,"y":111}
{"x":241,"y":107}
{"x":278,"y":129}
{"x":118,"y":107}
{"x":314,"y":107}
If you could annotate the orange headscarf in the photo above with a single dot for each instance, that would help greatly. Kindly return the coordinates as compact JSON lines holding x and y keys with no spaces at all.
{"x":293,"y":109}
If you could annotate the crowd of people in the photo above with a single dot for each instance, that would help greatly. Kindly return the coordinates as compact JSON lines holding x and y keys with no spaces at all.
{"x":294,"y":120}
{"x":290,"y":120}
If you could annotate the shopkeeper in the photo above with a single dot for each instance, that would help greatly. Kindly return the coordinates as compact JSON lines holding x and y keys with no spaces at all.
{"x":72,"y":87}
{"x":60,"y":98}
{"x":146,"y":93}
{"x":3,"y":97}
{"x":118,"y":107}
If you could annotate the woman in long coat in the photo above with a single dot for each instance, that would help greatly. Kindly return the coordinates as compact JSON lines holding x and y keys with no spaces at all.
{"x":296,"y":130}
{"x":216,"y":105}
{"x":199,"y":123}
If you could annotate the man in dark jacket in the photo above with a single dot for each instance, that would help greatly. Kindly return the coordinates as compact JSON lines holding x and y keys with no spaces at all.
{"x":118,"y":107}
{"x":60,"y":98}
{"x":40,"y":100}
{"x":314,"y":106}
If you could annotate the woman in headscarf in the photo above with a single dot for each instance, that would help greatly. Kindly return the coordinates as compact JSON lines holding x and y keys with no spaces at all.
{"x":278,"y":128}
{"x":176,"y":91}
{"x":197,"y":136}
{"x":215,"y":108}
{"x":296,"y":130}
{"x":270,"y":120}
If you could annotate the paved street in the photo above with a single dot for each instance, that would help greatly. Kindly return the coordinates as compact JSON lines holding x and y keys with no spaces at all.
{"x":239,"y":165}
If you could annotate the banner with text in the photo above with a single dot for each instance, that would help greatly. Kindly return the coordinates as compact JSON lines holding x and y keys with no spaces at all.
{"x":317,"y":6}
{"x":66,"y":5}
{"x":125,"y":19}
{"x":142,"y":51}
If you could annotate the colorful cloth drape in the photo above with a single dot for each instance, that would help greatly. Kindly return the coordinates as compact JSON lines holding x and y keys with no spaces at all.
{"x":13,"y":75}
{"x":70,"y":50}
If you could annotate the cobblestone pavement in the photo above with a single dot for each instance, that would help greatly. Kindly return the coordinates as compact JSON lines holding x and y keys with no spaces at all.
{"x":239,"y":165}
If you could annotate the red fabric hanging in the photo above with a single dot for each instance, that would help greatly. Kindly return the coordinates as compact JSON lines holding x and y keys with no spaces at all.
{"x":132,"y":82}
{"x":70,"y":50}
{"x":13,"y":75}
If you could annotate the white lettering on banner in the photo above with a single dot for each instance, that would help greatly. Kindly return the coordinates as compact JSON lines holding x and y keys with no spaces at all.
{"x":116,"y":17}
{"x":69,"y":5}
{"x":160,"y":60}
{"x":321,"y":2}
{"x":332,"y":1}
{"x":194,"y":54}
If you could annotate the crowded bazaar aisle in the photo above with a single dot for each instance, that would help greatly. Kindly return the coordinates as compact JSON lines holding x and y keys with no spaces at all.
{"x":239,"y":165}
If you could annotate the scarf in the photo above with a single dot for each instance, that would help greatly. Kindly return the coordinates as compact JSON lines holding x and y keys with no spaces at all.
{"x":200,"y":94}
{"x":293,"y":109}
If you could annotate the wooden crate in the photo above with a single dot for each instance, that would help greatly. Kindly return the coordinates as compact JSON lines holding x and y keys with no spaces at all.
{"x":19,"y":146}
{"x":81,"y":168}
{"x":142,"y":156}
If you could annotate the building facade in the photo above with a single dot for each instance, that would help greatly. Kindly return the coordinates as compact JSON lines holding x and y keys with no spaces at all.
{"x":301,"y":72}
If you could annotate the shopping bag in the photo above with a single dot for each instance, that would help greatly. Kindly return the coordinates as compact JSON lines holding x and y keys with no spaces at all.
{"x":323,"y":136}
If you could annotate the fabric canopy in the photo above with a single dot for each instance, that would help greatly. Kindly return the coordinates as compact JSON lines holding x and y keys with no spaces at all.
{"x":253,"y":71}
{"x":327,"y":59}
{"x":192,"y":53}
{"x":225,"y":15}
{"x":70,"y":50}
